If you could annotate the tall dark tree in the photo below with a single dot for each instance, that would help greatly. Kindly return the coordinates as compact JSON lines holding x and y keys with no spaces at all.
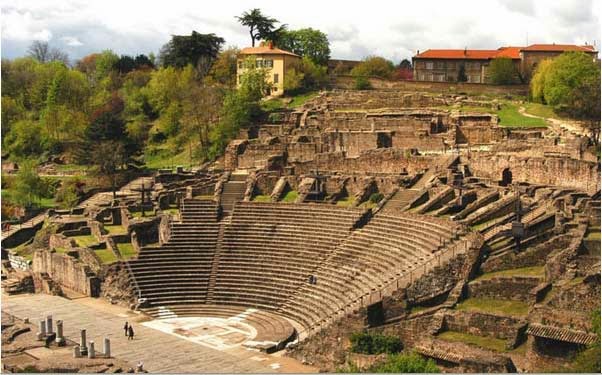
{"x":405,"y":64}
{"x":192,"y":49}
{"x":261,"y":27}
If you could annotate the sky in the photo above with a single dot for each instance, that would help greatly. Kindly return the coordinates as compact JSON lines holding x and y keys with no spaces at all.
{"x":355,"y":29}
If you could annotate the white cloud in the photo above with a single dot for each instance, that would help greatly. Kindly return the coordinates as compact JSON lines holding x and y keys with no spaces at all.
{"x":72,"y":41}
{"x":392,"y":29}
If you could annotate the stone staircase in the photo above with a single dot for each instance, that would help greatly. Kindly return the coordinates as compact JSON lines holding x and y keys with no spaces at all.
{"x":233,"y":191}
{"x":215,"y":265}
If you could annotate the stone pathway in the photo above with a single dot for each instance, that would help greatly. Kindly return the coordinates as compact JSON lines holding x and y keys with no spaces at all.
{"x":159,"y":351}
{"x":27,"y":224}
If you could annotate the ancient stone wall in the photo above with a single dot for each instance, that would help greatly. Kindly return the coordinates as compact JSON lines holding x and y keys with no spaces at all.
{"x":382,"y":160}
{"x":577,"y":174}
{"x":481,"y":324}
{"x":67,"y":271}
{"x":512,"y":288}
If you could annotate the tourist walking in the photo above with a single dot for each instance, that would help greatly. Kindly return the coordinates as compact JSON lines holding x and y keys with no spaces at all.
{"x":125,"y":328}
{"x":130,"y":333}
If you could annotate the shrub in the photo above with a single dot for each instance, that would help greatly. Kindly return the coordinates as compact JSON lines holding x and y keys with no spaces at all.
{"x":362,"y":83}
{"x":374,"y":66}
{"x":369,"y":343}
{"x":406,"y":363}
{"x":376,"y":197}
{"x":503,"y":72}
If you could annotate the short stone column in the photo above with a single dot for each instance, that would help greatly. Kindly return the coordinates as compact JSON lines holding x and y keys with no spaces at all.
{"x":76,"y":352}
{"x":91,"y":352}
{"x":82,"y":342}
{"x":41,"y":329}
{"x":60,"y":339}
{"x":49,"y":327}
{"x":107,"y":347}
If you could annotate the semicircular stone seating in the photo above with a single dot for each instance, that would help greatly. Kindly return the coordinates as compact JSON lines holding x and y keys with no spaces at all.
{"x":262,"y":259}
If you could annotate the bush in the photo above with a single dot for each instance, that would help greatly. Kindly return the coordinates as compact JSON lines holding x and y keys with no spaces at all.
{"x":376,"y":197}
{"x":374,"y":66}
{"x":503,"y":72}
{"x":362,"y":83}
{"x":406,"y":364}
{"x":368,"y":343}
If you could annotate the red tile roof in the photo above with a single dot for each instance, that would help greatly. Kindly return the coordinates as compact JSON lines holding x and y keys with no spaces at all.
{"x":469,"y":54}
{"x":265,"y":50}
{"x":511,"y":52}
{"x":558,"y":48}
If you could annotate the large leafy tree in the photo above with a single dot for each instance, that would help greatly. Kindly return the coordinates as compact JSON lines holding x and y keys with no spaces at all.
{"x":502,"y":71}
{"x":261,"y":27}
{"x":307,"y":42}
{"x":198,"y":50}
{"x":374,"y":66}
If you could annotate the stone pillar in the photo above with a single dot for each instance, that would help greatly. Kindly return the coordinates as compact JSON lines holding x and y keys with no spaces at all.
{"x":91,"y":352}
{"x":82,"y":342}
{"x":60,"y":340}
{"x":107,"y":347}
{"x":41,"y":329}
{"x":76,"y":352}
{"x":49,"y":327}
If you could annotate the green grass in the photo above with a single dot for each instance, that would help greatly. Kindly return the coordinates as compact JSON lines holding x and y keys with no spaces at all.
{"x":85,"y":241}
{"x":72,"y":168}
{"x":106,"y":256}
{"x":163,"y":158}
{"x":272,"y":104}
{"x":494,"y":306}
{"x":466,"y":109}
{"x":290,"y":197}
{"x":367,"y":204}
{"x":299,"y":100}
{"x":537,"y":271}
{"x":171,"y":211}
{"x":346,"y":202}
{"x":126,"y":250}
{"x":205,"y":197}
{"x":60,"y":250}
{"x":262,"y":198}
{"x":115,"y":229}
{"x":417,"y":309}
{"x":541,"y":110}
{"x":484,"y":342}
{"x":510,"y":117}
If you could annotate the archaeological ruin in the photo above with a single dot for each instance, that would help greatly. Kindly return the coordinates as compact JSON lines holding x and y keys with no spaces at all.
{"x":379,"y":211}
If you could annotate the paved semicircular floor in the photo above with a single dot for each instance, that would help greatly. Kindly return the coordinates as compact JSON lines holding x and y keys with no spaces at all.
{"x":158,"y":350}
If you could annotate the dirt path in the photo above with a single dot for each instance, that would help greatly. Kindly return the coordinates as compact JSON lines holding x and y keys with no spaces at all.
{"x":560,"y":126}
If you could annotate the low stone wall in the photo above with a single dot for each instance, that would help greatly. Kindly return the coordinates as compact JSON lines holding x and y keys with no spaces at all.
{"x":513,"y":288}
{"x":18,"y":262}
{"x":67,"y":271}
{"x":500,"y":327}
{"x":348,"y":82}
{"x":534,"y":256}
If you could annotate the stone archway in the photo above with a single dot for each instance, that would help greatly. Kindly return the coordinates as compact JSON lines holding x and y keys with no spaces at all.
{"x":506,"y":177}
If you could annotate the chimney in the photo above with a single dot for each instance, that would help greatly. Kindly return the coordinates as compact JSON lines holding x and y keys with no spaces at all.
{"x":465,"y":53}
{"x":270,"y":44}
{"x":418,"y":52}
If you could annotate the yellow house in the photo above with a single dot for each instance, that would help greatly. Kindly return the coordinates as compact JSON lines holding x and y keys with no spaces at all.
{"x":275,"y":60}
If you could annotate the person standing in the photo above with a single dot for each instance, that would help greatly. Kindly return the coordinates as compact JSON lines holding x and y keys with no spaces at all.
{"x":125,"y":328}
{"x":130,"y":333}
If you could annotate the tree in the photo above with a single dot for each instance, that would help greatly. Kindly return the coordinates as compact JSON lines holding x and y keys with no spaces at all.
{"x":27,"y":187}
{"x":502,"y":71}
{"x":223,"y":71}
{"x":307,"y":42}
{"x":569,"y":74}
{"x":538,"y":81}
{"x":42,"y":52}
{"x":109,"y":157}
{"x":261,"y":27}
{"x":405,"y":64}
{"x":374,"y":66}
{"x":198,"y":50}
{"x":305,"y":75}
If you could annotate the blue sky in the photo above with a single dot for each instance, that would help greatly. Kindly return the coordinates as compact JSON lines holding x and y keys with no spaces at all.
{"x":355,"y":29}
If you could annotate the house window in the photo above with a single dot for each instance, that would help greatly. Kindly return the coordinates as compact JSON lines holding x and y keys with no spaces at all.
{"x":429,"y":65}
{"x":451,"y":65}
{"x":440,"y":65}
{"x":268,"y":63}
{"x":275,"y":78}
{"x":240,"y":65}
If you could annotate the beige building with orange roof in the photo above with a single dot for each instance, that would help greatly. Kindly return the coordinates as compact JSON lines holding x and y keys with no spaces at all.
{"x":444,"y":65}
{"x":275,"y":60}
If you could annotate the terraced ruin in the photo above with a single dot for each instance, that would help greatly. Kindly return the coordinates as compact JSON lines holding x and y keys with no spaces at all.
{"x":415,"y":215}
